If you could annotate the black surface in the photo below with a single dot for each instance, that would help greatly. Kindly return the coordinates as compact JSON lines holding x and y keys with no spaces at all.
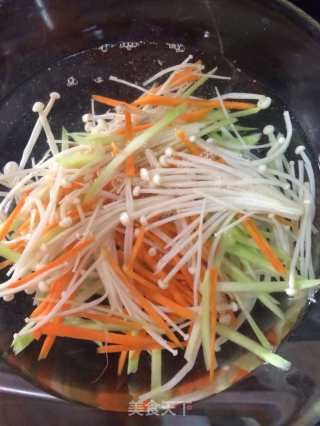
{"x":266,"y":398}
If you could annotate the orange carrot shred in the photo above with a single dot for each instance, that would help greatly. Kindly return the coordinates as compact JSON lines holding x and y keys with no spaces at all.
{"x":83,"y":333}
{"x":263,"y":245}
{"x":121,"y":362}
{"x":135,"y":129}
{"x":129,"y":135}
{"x":190,"y":117}
{"x":137,"y":247}
{"x":175,"y":101}
{"x":194,"y":149}
{"x":160,"y":296}
{"x":141,"y":300}
{"x":48,"y":342}
{"x":56,"y":288}
{"x":11,"y":218}
{"x":110,"y":320}
{"x":61,"y":259}
{"x":114,"y":149}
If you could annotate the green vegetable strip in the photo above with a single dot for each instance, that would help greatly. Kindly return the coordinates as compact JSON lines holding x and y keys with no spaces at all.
{"x":156,"y":365}
{"x":256,"y":329}
{"x":251,"y":255}
{"x":133,"y":359}
{"x":249,"y":140}
{"x":195,"y":86}
{"x":77,"y":159}
{"x":133,"y":362}
{"x":205,"y":320}
{"x":94,"y":325}
{"x":252,"y":346}
{"x":95,"y":139}
{"x":245,"y":113}
{"x":268,"y":302}
{"x":193,"y":341}
{"x":9,"y":254}
{"x":137,"y":143}
{"x":64,"y":138}
{"x":21,"y":342}
{"x":216,"y":126}
{"x":265,"y":286}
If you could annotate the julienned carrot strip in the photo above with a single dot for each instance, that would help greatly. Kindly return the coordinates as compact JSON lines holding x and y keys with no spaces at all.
{"x":56,"y":288}
{"x":129,"y":347}
{"x":135,"y":129}
{"x":180,"y":74}
{"x":48,"y":341}
{"x":113,"y":102}
{"x":175,"y":308}
{"x":176,"y":259}
{"x":63,"y":191}
{"x":111,"y":349}
{"x":152,"y":264}
{"x":175,"y":101}
{"x":170,"y":229}
{"x":213,"y":318}
{"x":121,"y":362}
{"x":263,"y":245}
{"x":131,"y":170}
{"x":157,"y":297}
{"x":11,"y":218}
{"x":83,"y":333}
{"x":141,"y":300}
{"x":16,"y":246}
{"x":109,"y":320}
{"x":140,"y":279}
{"x":114,"y":149}
{"x":107,"y":101}
{"x":178,"y":296}
{"x":136,"y":247}
{"x":61,"y":259}
{"x":147,"y":279}
{"x":188,"y":78}
{"x":190,"y":117}
{"x":194,"y":149}
{"x":145,"y":273}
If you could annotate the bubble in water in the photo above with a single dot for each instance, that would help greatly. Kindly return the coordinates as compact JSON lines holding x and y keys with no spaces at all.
{"x":98,"y":80}
{"x":72,"y":81}
{"x":104,"y":48}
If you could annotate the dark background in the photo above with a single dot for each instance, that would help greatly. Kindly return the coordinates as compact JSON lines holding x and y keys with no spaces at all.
{"x":310,"y":6}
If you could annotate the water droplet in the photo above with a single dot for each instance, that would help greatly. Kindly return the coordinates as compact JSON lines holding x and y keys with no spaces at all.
{"x":98,"y":80}
{"x":72,"y":81}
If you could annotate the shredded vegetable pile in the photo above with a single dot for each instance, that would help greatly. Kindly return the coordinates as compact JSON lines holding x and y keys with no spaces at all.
{"x":159,"y":228}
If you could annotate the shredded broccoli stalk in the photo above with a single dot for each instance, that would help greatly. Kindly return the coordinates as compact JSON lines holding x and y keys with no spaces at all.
{"x":254,"y":347}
